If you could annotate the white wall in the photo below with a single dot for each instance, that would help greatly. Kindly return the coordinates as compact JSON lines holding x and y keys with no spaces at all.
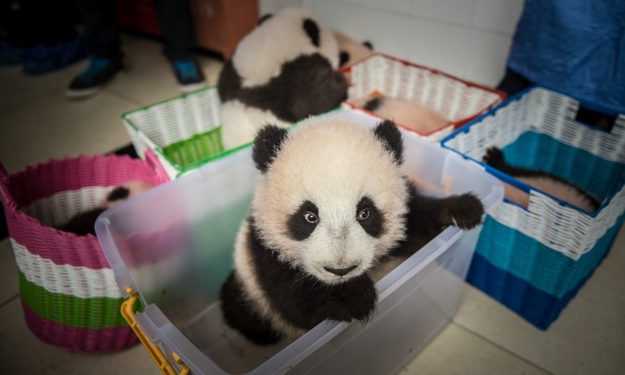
{"x":466,"y":38}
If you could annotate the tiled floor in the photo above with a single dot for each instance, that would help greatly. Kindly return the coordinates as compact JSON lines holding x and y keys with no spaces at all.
{"x":37,"y":123}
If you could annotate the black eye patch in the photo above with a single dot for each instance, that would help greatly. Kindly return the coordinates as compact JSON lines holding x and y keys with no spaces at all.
{"x":299,"y":228}
{"x":374,"y":222}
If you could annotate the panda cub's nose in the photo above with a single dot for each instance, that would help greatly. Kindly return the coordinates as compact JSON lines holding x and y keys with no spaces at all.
{"x":340,"y":271}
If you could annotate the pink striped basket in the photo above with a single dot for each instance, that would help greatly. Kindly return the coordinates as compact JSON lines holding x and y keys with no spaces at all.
{"x":68,"y":290}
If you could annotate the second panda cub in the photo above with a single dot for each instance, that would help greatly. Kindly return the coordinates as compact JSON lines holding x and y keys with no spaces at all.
{"x":548,"y":183}
{"x":331,"y":205}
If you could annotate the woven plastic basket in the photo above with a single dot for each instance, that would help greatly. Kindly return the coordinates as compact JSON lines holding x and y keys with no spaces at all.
{"x":69,"y":294}
{"x":457,"y":100}
{"x":180,"y":134}
{"x":535,"y":259}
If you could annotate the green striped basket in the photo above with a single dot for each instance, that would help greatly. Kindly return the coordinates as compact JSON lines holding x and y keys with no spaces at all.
{"x":180,"y":134}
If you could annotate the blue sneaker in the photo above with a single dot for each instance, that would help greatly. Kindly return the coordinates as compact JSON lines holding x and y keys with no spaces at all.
{"x":90,"y":81}
{"x":189,"y":75}
{"x":45,"y":58}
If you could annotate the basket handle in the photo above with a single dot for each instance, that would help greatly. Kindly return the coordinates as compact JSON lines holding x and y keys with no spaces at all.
{"x":5,"y":196}
{"x":3,"y":172}
{"x":128,"y":312}
{"x":156,"y":165}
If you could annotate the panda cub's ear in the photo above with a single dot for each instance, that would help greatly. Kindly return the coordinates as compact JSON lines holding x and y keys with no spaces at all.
{"x":264,"y":18}
{"x":312,"y":30}
{"x":267,"y":144}
{"x":343,"y":57}
{"x":390,"y":136}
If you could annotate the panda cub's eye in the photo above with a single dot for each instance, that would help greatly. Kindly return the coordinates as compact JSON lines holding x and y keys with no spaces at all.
{"x":311,"y":217}
{"x":363,"y":215}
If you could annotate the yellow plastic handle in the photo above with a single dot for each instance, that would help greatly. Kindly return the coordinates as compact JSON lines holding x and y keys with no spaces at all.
{"x":154,"y":351}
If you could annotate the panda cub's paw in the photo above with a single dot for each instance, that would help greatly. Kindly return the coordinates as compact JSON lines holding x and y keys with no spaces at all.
{"x":464,"y":211}
{"x":353,"y":300}
{"x":494,"y":157}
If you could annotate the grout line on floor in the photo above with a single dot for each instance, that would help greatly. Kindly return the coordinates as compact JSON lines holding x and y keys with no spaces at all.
{"x":502,"y":348}
{"x":9,"y":300}
{"x":31,"y":98}
{"x":122,"y":96}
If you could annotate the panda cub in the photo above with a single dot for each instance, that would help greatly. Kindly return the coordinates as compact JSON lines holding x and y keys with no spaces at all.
{"x":330,"y":206}
{"x":282,"y":72}
{"x":540,"y":180}
{"x":83,"y":223}
{"x":410,"y":114}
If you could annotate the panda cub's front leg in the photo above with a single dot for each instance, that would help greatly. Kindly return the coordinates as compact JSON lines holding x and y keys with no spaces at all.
{"x":240,"y":313}
{"x":464,"y":211}
{"x":354,"y":299}
{"x":428,"y":216}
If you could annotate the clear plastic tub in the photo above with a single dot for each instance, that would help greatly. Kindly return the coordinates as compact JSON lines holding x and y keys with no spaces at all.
{"x":174,"y":246}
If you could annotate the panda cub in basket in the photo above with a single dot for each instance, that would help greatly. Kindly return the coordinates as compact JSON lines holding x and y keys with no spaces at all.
{"x":540,"y":180}
{"x":83,"y":223}
{"x":331,"y":205}
{"x":282,"y":72}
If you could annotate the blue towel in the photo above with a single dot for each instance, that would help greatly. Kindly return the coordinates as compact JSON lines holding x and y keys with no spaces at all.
{"x":573,"y":46}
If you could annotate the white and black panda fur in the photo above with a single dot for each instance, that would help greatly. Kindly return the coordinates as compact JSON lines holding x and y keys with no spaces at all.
{"x":331,"y":205}
{"x":350,"y":51}
{"x":409,"y":114}
{"x":83,"y":223}
{"x":540,"y":180}
{"x":281,"y":73}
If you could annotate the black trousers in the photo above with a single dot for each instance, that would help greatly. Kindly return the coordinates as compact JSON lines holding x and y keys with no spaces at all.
{"x":27,"y":23}
{"x":513,"y":82}
{"x":102,"y":35}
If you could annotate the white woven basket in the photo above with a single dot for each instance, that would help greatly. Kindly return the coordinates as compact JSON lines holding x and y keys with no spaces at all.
{"x":157,"y":126}
{"x":456,"y":100}
{"x":562,"y":228}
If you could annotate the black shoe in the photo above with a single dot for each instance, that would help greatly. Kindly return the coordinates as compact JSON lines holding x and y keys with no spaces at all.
{"x":90,"y":81}
{"x":189,"y":75}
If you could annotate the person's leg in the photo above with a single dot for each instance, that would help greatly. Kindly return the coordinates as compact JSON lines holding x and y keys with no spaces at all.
{"x":103,"y":43}
{"x":58,"y":42}
{"x":513,"y":83}
{"x":176,"y":23}
{"x":18,"y":34}
{"x":100,"y":31}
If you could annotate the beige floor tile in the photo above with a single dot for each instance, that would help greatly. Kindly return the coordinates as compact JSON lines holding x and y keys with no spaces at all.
{"x":23,"y":353}
{"x":458,"y":351}
{"x":133,"y":360}
{"x":53,"y":127}
{"x":588,"y":337}
{"x":20,"y":351}
{"x":8,"y":272}
{"x":148,"y":76}
{"x":19,"y":89}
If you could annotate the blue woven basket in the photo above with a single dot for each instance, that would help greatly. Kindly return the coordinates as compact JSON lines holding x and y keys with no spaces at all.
{"x":534,"y":259}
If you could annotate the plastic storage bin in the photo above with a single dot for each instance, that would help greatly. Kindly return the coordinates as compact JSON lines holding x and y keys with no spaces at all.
{"x":535,"y":259}
{"x":68,"y":291}
{"x":182,"y":317}
{"x":457,"y":100}
{"x":180,"y":134}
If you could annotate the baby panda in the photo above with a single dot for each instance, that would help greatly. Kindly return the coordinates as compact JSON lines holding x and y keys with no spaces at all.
{"x":331,"y":205}
{"x":83,"y":223}
{"x":282,"y":72}
{"x":411,"y":115}
{"x":540,"y":180}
